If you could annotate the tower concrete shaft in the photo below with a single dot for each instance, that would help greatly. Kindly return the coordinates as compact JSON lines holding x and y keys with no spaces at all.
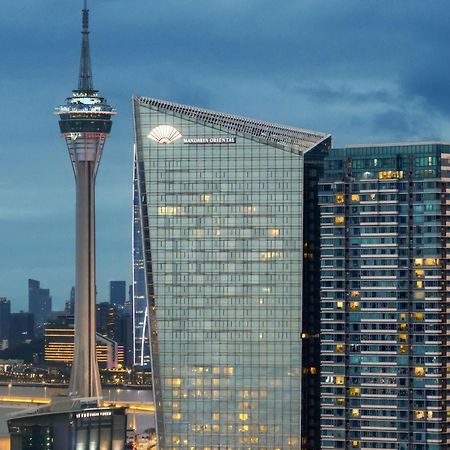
{"x":85,"y":122}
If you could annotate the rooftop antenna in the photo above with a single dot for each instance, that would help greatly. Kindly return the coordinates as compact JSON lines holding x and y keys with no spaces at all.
{"x":85,"y":81}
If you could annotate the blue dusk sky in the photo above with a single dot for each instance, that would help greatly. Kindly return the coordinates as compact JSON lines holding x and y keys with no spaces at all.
{"x":362,"y":70}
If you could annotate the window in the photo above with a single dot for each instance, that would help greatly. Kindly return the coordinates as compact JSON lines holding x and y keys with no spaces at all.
{"x":339,"y":220}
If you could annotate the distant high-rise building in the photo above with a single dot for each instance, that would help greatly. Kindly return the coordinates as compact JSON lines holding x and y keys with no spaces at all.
{"x":5,"y":322}
{"x":107,"y":320}
{"x":141,"y":318}
{"x":21,"y":328}
{"x":70,"y":304}
{"x":39,"y":304}
{"x":222,"y":201}
{"x":385,"y":294}
{"x":118,"y":293}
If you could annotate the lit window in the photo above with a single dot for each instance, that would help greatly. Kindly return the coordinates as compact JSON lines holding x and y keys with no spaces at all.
{"x":430,"y":414}
{"x":206,"y":197}
{"x":339,"y":220}
{"x":228,"y":370}
{"x":418,"y":316}
{"x":339,"y":380}
{"x":340,"y":348}
{"x":431,"y":261}
{"x":420,"y":414}
{"x":354,"y":306}
{"x":250,"y":209}
{"x":216,"y":370}
{"x":275,"y":232}
{"x":217,"y":232}
{"x":355,"y":412}
{"x":170,"y":210}
{"x":355,"y":198}
{"x":267,"y":256}
{"x":419,"y":284}
{"x":340,"y":305}
{"x":403,"y":338}
{"x":216,"y":428}
{"x":419,"y":371}
{"x":390,"y":174}
{"x":420,"y":273}
{"x":355,"y":444}
{"x":403,"y":326}
{"x":355,"y":391}
{"x":339,"y":198}
{"x":403,"y":348}
{"x":177,"y":416}
{"x":418,"y":262}
{"x":340,"y":401}
{"x":355,"y":294}
{"x":243,"y":417}
{"x":216,"y":416}
{"x":263,"y":428}
{"x":176,"y":439}
{"x":174,"y":381}
{"x":373,"y":196}
{"x":313,"y":370}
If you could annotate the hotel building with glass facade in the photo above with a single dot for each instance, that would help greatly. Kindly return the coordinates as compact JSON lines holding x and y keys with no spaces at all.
{"x":384,"y":297}
{"x":222,"y":215}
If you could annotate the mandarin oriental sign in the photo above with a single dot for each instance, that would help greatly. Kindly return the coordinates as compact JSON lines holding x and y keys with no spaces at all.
{"x":210,"y":140}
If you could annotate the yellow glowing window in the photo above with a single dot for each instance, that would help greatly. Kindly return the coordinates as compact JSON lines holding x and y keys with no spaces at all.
{"x":243,"y":417}
{"x":355,"y":198}
{"x":355,"y":391}
{"x":176,"y":439}
{"x":216,"y":370}
{"x":339,"y":198}
{"x":339,"y":380}
{"x":418,"y":316}
{"x":355,"y":294}
{"x":206,"y":197}
{"x":243,"y":428}
{"x":177,"y":416}
{"x":216,"y":428}
{"x":250,"y":209}
{"x":170,"y":210}
{"x":419,"y":371}
{"x":355,"y":412}
{"x":217,"y":232}
{"x":228,"y":370}
{"x":216,"y":382}
{"x":354,"y":306}
{"x":402,"y":316}
{"x":419,"y":284}
{"x":420,"y":414}
{"x":339,"y":305}
{"x":418,"y":262}
{"x":403,"y":338}
{"x":340,"y":401}
{"x":266,"y":256}
{"x":198,"y":232}
{"x":175,"y":405}
{"x":340,"y":348}
{"x":216,"y":416}
{"x":420,"y":273}
{"x":254,"y":440}
{"x":275,"y":232}
{"x":390,"y":174}
{"x":403,"y":348}
{"x":431,"y":261}
{"x":263,"y":428}
{"x":373,"y":196}
{"x":293,"y":441}
{"x":430,"y":414}
{"x":313,"y":370}
{"x":403,"y":326}
{"x":355,"y":444}
{"x":174,"y":381}
{"x":339,"y":220}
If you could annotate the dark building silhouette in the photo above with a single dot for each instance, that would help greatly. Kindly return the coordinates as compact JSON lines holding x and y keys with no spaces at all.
{"x":5,"y":320}
{"x":22,"y":328}
{"x":39,"y":304}
{"x":107,"y":320}
{"x":117,"y":293}
{"x":70,"y":304}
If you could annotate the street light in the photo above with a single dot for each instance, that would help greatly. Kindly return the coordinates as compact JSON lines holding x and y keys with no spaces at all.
{"x":9,"y":390}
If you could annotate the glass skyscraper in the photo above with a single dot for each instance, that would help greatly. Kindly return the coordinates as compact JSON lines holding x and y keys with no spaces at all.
{"x":384,"y":301}
{"x":222,"y":202}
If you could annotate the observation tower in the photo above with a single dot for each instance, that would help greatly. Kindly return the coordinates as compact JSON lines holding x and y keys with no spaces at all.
{"x":85,"y":123}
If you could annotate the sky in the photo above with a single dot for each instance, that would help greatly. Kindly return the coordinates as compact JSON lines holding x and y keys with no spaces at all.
{"x":363,"y":70}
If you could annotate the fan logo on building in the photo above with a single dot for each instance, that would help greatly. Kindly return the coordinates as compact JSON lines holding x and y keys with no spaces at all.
{"x":164,"y":134}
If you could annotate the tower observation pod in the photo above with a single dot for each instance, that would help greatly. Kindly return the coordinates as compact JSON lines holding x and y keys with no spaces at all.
{"x":85,"y":123}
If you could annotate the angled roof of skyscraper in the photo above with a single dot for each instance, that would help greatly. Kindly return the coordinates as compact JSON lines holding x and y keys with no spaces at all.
{"x":297,"y":139}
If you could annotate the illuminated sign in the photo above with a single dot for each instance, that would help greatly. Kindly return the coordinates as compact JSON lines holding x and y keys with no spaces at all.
{"x":86,"y":415}
{"x":210,"y":140}
{"x":164,"y":134}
